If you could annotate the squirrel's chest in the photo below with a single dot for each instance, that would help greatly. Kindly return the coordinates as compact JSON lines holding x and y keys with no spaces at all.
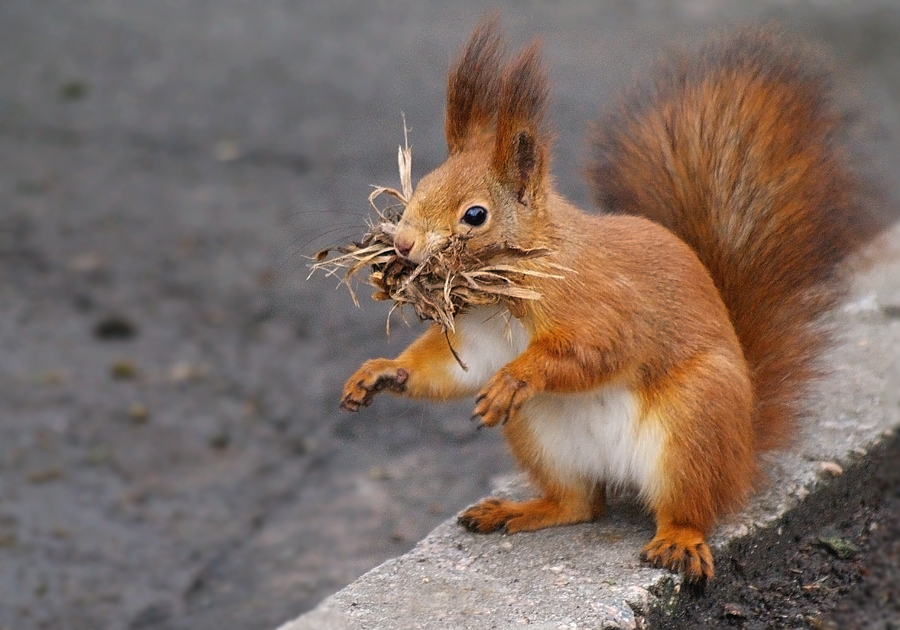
{"x":488,"y":338}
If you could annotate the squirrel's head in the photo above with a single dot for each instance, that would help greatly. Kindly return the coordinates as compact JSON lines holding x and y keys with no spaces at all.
{"x":492,"y":187}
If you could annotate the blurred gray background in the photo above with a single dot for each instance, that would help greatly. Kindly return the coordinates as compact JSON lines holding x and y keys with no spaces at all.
{"x":171,"y":451}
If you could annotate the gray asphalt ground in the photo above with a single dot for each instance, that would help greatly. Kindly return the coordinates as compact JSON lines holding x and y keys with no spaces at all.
{"x":171,"y":453}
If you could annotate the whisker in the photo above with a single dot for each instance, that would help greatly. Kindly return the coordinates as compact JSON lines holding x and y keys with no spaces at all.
{"x":283,"y":265}
{"x":344,"y":231}
{"x":359,"y":213}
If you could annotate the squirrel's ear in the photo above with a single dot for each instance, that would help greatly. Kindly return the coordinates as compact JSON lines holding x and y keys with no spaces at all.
{"x":524,"y":161}
{"x":522,"y":142}
{"x":473,"y":85}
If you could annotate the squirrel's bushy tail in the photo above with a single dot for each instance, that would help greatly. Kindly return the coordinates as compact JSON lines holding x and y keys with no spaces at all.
{"x":735,"y":150}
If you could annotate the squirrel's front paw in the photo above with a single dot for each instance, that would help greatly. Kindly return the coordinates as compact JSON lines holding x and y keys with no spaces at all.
{"x":501,"y":398}
{"x":374,"y":376}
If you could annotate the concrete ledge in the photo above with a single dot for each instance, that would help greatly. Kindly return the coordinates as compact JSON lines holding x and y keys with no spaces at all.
{"x":588,"y":576}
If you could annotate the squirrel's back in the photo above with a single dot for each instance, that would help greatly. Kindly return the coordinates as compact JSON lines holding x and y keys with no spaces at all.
{"x":736,"y":150}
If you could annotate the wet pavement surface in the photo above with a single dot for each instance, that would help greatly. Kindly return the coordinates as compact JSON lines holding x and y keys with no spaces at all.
{"x":171,"y":452}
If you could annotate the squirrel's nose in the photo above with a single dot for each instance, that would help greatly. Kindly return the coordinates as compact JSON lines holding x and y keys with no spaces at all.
{"x":403,"y":246}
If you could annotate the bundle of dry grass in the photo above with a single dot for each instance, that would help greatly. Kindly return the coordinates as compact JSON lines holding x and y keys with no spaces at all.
{"x":450,"y":279}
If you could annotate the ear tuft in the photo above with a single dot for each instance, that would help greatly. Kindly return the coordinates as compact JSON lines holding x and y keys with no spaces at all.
{"x":473,"y":85}
{"x":522,"y":142}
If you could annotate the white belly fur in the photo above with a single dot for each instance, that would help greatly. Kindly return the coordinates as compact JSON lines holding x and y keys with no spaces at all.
{"x":489,"y":339}
{"x":596,"y":435}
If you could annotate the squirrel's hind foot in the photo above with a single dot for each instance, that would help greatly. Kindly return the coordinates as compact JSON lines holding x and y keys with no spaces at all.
{"x":492,"y":515}
{"x":488,"y":516}
{"x":681,"y":550}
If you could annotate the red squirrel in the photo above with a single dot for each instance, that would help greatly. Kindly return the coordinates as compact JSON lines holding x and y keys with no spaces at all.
{"x":678,"y":343}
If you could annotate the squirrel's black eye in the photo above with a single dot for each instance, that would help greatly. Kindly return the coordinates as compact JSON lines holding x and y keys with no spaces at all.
{"x":475,"y":216}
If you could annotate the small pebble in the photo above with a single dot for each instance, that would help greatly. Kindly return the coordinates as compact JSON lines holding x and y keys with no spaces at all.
{"x":45,"y":475}
{"x":73,"y":90}
{"x":735,"y":611}
{"x":88,"y":262}
{"x":138,"y":412}
{"x":183,"y":371}
{"x":123,"y":370}
{"x":841,"y":547}
{"x":115,"y":328}
{"x":220,"y":440}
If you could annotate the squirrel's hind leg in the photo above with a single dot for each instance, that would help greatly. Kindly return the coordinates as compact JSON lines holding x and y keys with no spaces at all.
{"x":709,"y":464}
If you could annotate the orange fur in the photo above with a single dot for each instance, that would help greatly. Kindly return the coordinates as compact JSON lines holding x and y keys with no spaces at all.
{"x":691,"y":332}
